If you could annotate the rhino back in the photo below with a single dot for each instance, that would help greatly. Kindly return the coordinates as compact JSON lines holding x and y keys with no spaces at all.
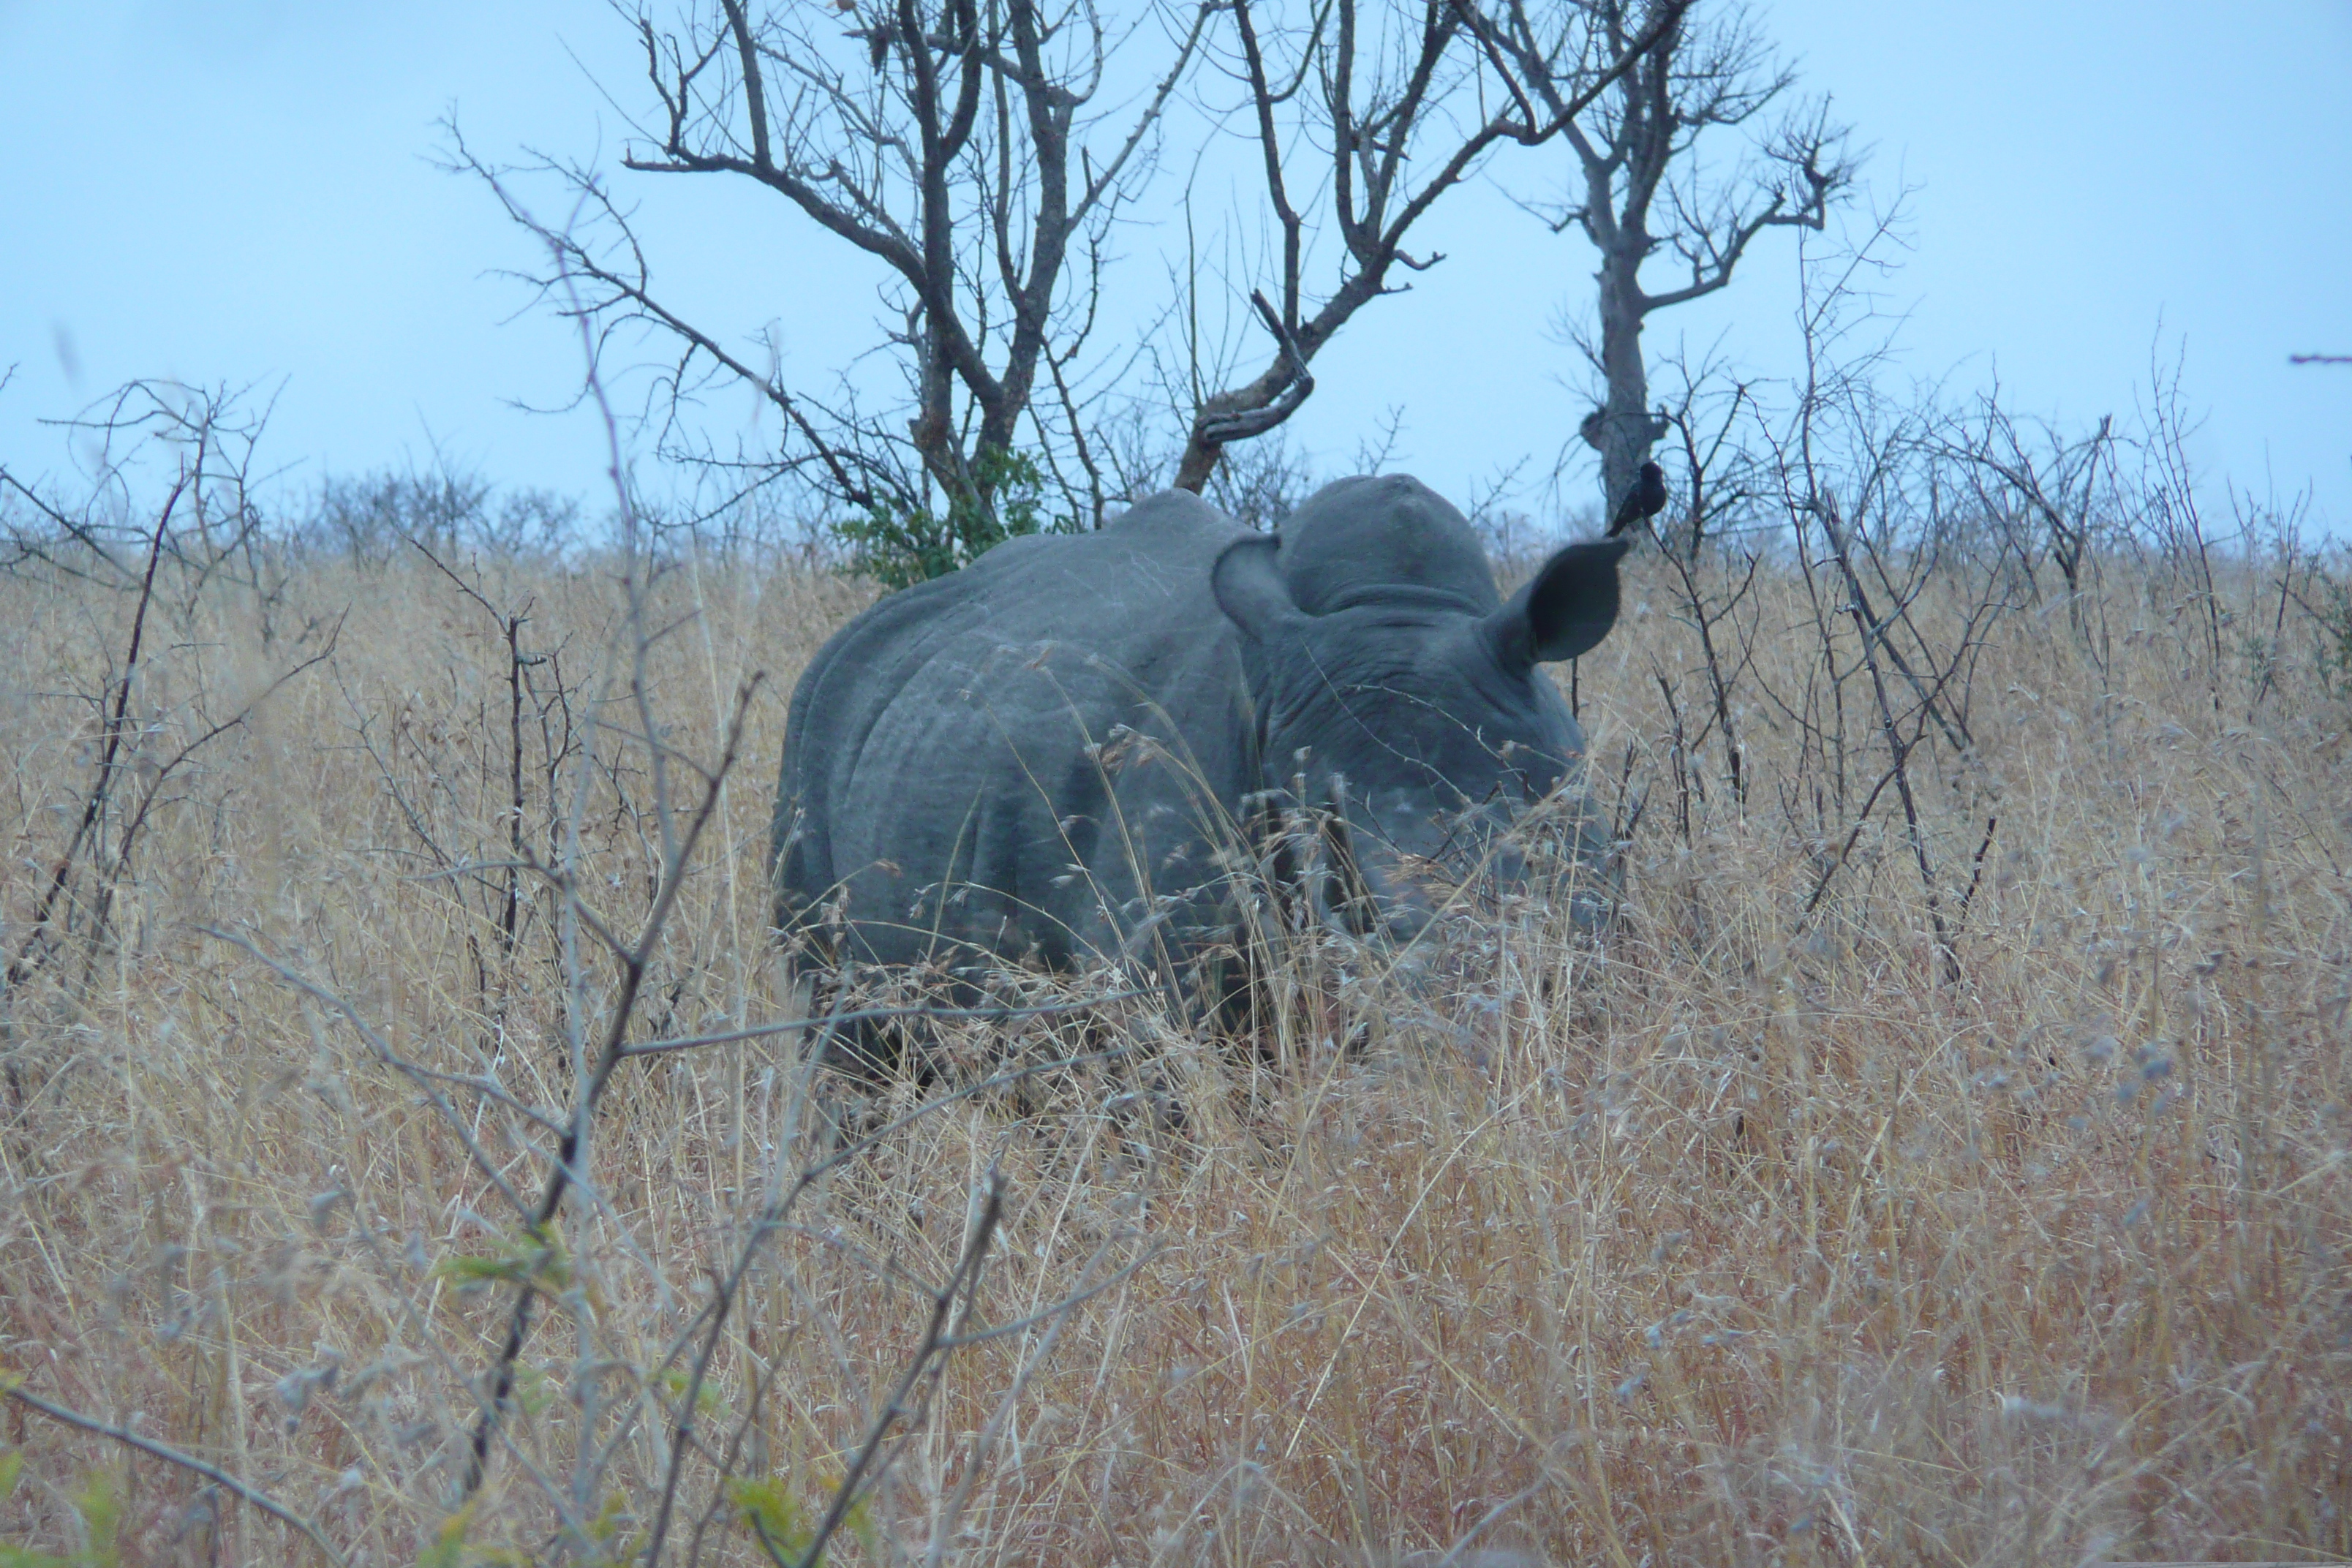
{"x":1011,"y":758}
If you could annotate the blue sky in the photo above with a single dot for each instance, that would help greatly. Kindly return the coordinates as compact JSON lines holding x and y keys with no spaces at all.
{"x":242,"y":191}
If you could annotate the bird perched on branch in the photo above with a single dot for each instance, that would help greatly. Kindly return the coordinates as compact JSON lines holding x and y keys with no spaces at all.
{"x":1647,"y":498}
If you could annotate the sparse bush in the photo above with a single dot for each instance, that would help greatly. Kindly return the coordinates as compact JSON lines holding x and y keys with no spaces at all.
{"x":370,"y":518}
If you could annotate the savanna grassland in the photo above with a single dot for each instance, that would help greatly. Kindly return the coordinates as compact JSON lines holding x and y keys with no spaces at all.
{"x":1766,"y":1226}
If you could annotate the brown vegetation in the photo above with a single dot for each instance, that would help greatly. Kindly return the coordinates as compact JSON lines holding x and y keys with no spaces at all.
{"x":1941,"y":1160}
{"x":1745,"y":1235}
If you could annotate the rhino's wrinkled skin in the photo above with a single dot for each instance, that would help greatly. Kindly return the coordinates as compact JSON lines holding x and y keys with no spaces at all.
{"x":1055,"y":753}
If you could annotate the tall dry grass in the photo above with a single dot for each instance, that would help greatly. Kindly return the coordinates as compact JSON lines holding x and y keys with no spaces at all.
{"x":1738,"y":1235}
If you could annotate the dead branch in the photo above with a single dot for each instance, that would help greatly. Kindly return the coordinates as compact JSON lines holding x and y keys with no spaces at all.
{"x":169,"y":1454}
{"x":1376,"y":129}
{"x":927,"y":1353}
{"x":877,"y":1015}
{"x":1642,"y":188}
{"x":94,"y":801}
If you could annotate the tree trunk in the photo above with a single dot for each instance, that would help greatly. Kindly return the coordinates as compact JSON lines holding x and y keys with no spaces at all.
{"x":1622,"y":430}
{"x":1198,"y":463}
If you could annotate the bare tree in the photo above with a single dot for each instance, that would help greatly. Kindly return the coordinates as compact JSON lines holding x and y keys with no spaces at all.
{"x":1639,"y":186}
{"x":955,"y":142}
{"x":958,"y":145}
{"x":1364,"y":117}
{"x":2045,"y":490}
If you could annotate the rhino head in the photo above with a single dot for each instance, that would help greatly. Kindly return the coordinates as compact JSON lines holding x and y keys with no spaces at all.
{"x":1396,"y":691}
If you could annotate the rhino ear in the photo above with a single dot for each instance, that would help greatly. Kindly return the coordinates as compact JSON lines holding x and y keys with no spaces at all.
{"x":1565,"y":611}
{"x":1251,"y":591}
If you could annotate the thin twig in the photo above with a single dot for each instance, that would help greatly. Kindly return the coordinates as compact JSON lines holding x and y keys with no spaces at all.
{"x":1975,"y":875}
{"x":94,"y":803}
{"x":983,"y":1442}
{"x":169,"y":1455}
{"x":967,"y":1272}
{"x":875,"y":1015}
{"x":385,"y":1054}
{"x":624,"y":1011}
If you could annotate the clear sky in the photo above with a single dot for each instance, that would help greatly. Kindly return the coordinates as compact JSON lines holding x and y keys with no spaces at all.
{"x":241,"y":191}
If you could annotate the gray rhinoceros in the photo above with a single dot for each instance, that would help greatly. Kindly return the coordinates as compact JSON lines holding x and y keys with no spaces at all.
{"x":1058,"y":752}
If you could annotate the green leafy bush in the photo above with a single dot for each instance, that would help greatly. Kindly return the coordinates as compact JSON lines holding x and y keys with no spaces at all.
{"x":900,"y":543}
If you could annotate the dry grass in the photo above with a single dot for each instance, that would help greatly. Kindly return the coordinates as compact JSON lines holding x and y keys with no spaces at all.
{"x":1738,"y":1239}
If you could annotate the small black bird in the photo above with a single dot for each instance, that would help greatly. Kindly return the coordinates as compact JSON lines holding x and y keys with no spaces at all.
{"x":1647,"y":498}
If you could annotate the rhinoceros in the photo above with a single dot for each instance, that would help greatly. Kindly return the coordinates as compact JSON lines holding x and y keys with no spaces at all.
{"x":1056,"y":754}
